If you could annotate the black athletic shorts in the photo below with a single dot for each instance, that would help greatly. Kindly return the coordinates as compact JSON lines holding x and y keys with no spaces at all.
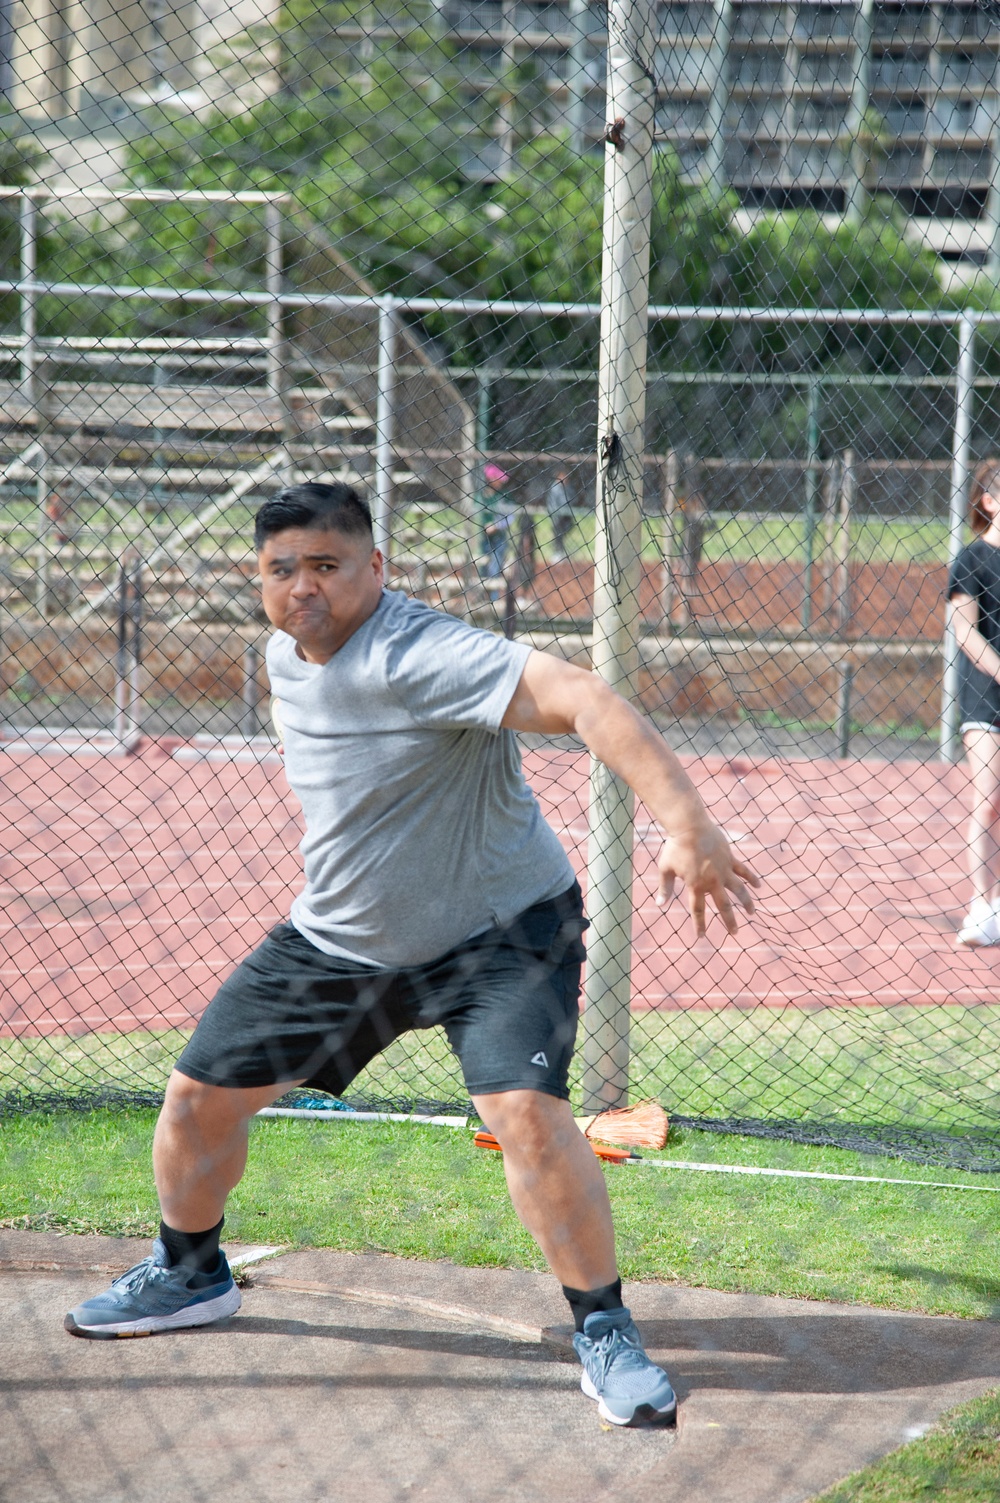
{"x":508,"y":1001}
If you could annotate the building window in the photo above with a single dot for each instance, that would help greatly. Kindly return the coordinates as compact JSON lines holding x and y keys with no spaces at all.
{"x":686,"y":20}
{"x":897,"y":73}
{"x":686,"y":116}
{"x":816,"y":115}
{"x":962,"y":166}
{"x":828,"y":70}
{"x":682,"y":67}
{"x":904,"y":116}
{"x":900,"y":20}
{"x":965,"y":21}
{"x":818,"y":22}
{"x":755,"y":70}
{"x":761,"y":23}
{"x":967,"y":70}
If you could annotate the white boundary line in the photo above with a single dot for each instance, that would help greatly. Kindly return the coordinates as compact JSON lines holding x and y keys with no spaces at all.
{"x":861,"y":1179}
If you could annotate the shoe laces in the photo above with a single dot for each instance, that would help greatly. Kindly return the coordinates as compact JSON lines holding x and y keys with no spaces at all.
{"x":618,"y":1349}
{"x":146,"y":1272}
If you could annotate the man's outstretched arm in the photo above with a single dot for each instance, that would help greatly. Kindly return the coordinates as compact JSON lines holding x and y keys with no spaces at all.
{"x":557,"y":699}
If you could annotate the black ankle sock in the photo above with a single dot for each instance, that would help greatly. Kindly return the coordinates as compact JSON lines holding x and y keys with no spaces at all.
{"x":584,"y":1302}
{"x":198,"y":1251}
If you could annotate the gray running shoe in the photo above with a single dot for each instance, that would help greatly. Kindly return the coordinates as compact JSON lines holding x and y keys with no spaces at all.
{"x":629,"y":1389}
{"x":152,"y":1297}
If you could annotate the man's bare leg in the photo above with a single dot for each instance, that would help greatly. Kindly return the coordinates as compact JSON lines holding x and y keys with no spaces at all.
{"x":200,"y":1147}
{"x":559,"y":1193}
{"x":556,"y":1184}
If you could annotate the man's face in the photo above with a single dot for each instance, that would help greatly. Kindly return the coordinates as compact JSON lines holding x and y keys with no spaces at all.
{"x":319,"y":586}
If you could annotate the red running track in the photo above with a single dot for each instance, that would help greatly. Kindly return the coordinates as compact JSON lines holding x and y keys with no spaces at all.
{"x":130,"y":885}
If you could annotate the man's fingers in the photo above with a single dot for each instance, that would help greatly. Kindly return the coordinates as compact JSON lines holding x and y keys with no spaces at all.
{"x":665,"y":891}
{"x":741,"y":895}
{"x":746,"y":872}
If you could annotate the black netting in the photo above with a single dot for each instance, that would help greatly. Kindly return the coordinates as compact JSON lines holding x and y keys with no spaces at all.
{"x":373,"y":243}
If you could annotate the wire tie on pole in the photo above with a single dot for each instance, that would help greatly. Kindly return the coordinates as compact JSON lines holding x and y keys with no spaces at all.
{"x":611,"y":449}
{"x":614,"y":132}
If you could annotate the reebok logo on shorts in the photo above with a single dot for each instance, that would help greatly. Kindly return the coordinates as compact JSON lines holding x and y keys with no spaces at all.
{"x":540,"y":1059}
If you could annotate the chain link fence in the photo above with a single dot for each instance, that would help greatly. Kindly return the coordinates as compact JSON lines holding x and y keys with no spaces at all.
{"x":406,"y":245}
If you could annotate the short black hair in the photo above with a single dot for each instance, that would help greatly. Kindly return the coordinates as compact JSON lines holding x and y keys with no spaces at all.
{"x":336,"y":506}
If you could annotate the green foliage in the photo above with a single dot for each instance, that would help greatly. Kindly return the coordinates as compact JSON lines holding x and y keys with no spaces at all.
{"x":372,"y":136}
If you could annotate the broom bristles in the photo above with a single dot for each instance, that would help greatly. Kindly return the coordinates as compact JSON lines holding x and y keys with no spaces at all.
{"x":644,"y":1125}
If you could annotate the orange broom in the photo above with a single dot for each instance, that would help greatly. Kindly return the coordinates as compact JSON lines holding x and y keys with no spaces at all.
{"x":644,"y":1125}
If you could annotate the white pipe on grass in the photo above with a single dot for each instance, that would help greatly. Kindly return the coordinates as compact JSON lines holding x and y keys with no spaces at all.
{"x":315,"y":1113}
{"x":863,"y":1179}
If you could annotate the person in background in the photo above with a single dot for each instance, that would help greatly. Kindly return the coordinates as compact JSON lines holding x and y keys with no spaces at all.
{"x":55,"y":510}
{"x":497,"y":512}
{"x":697,"y":522}
{"x":974,"y":601}
{"x":524,"y":559}
{"x":561,"y":514}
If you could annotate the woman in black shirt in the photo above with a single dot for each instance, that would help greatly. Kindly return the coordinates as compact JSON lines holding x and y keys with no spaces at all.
{"x":974,"y":593}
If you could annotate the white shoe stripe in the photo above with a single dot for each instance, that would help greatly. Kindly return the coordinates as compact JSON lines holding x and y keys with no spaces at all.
{"x":202,"y":1314}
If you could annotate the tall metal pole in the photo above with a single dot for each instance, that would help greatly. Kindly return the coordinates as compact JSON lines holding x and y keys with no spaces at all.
{"x":718,"y":103}
{"x":958,"y":508}
{"x":576,"y":83}
{"x":993,"y":198}
{"x":385,"y":422}
{"x":856,"y":192}
{"x":621,"y":444}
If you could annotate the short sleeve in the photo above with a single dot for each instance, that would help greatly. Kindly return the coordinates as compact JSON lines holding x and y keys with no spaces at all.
{"x":963,"y":578}
{"x":448,"y":675}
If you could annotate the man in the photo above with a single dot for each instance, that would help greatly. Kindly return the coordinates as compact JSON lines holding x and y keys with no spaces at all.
{"x":435,"y":893}
{"x":557,"y":504}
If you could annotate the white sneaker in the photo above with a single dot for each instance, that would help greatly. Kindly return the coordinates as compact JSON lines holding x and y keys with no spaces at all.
{"x":982,"y":925}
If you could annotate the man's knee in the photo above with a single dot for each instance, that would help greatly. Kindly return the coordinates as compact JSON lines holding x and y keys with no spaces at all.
{"x":528,"y":1124}
{"x":208,"y":1110}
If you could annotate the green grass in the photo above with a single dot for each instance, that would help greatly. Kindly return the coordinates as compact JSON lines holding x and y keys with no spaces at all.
{"x":428,"y":1193}
{"x":937,"y":1067}
{"x":958,"y":1462}
{"x":739,"y":538}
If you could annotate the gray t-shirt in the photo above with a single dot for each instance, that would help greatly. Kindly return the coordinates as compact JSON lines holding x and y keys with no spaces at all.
{"x":420,"y":828}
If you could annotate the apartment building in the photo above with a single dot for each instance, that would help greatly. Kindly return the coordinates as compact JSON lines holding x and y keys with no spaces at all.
{"x":777,"y":99}
{"x":803,"y":103}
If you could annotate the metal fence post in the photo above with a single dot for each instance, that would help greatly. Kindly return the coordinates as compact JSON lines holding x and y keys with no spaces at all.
{"x":811,"y":499}
{"x":385,"y":422}
{"x":250,"y":723}
{"x":621,"y":420}
{"x":277,"y":353}
{"x":30,"y":386}
{"x":958,"y":506}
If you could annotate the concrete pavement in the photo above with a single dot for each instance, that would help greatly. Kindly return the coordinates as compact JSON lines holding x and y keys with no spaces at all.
{"x":362,"y":1376}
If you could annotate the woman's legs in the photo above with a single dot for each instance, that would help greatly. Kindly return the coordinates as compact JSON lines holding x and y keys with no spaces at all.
{"x":983,"y":751}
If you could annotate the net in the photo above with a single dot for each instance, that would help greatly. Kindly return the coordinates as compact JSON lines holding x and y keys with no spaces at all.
{"x":320,"y":241}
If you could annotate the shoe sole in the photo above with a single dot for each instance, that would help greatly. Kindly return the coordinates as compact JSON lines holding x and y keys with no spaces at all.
{"x":203,"y":1314}
{"x":977,"y":942}
{"x":642,"y":1414}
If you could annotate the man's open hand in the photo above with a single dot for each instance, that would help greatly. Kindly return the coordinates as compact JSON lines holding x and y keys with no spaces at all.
{"x":703,"y":861}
